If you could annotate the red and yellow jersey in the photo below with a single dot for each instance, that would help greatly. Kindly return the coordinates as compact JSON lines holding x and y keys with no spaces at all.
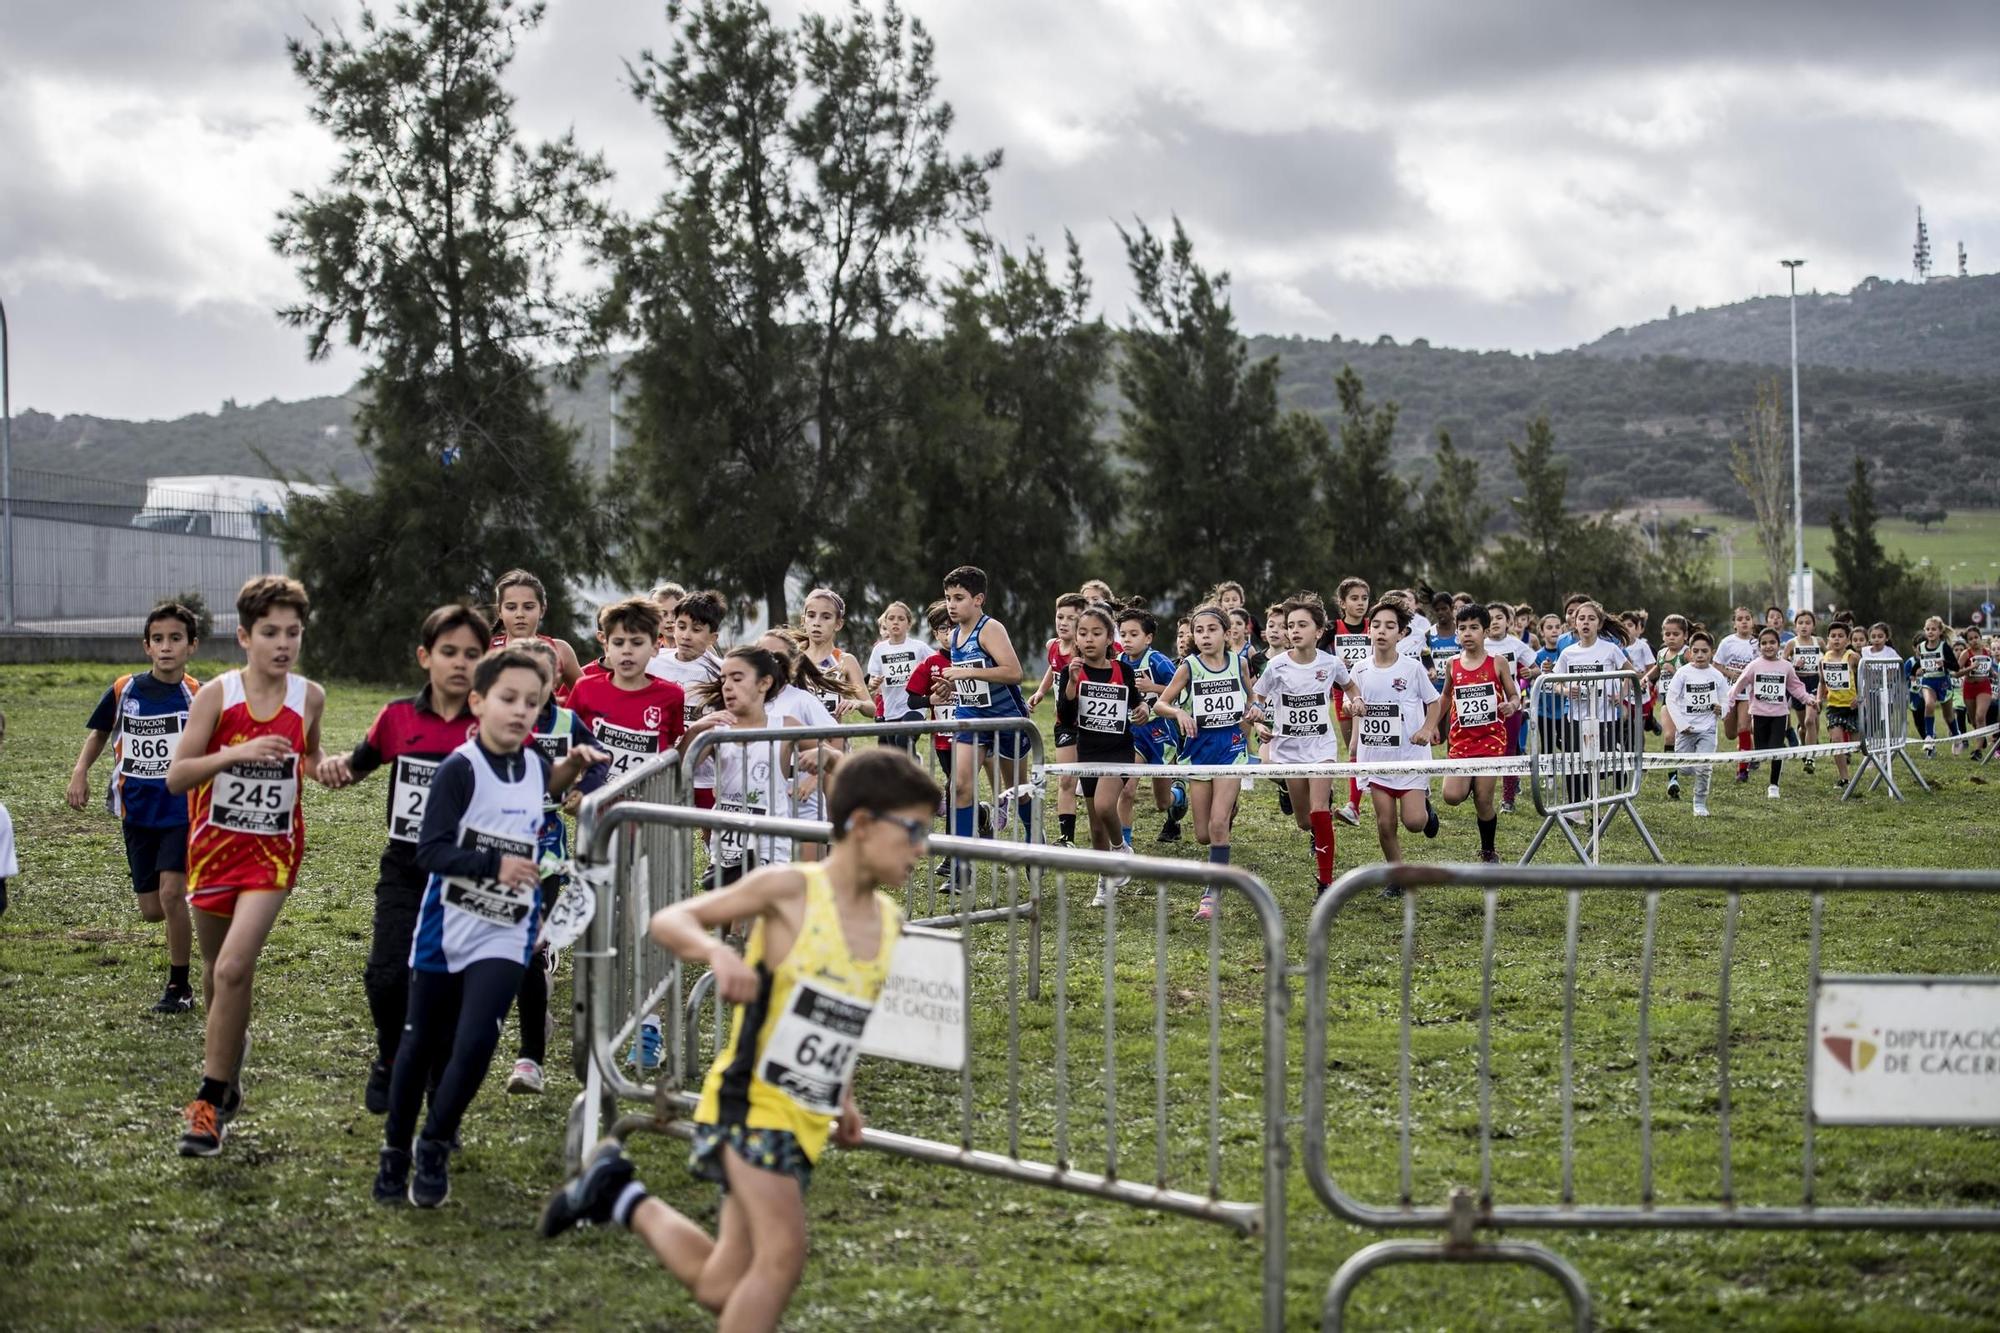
{"x":1476,"y":729}
{"x":245,"y":827}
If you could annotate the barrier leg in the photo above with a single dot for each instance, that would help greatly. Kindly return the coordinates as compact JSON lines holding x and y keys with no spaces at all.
{"x":1385,"y":1253}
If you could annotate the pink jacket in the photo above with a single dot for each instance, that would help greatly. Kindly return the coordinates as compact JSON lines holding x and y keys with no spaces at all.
{"x":1778,"y":680}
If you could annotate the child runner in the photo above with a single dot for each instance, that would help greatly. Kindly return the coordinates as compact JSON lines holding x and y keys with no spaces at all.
{"x":890,"y":663}
{"x":1503,"y":643}
{"x":1347,"y":638}
{"x":1059,"y":652}
{"x":1640,"y":654}
{"x":1156,"y":740}
{"x":1481,"y":698}
{"x":632,"y":715}
{"x":1673,"y":653}
{"x":1592,"y":704}
{"x":520,"y":602}
{"x":750,"y":778}
{"x":1694,"y":700}
{"x":1839,"y":672}
{"x":822,"y":617}
{"x":668,"y":597}
{"x":252,"y":735}
{"x":1804,"y":650}
{"x":1218,"y":697}
{"x":1977,"y":685}
{"x":1105,"y":703}
{"x":983,"y":681}
{"x":1397,"y":708}
{"x":411,"y":737}
{"x":1300,"y":687}
{"x":1765,"y":683}
{"x":143,"y":717}
{"x":691,"y":662}
{"x":817,"y":958}
{"x":1732,"y":654}
{"x":1097,"y":590}
{"x":1931,"y":665}
{"x":924,"y":680}
{"x":477,"y":924}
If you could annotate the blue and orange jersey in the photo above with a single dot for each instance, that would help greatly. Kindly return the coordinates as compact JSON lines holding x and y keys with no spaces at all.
{"x":144,"y":717}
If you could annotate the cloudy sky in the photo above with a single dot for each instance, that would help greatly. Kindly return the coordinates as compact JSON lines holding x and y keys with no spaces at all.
{"x":1517,"y":174}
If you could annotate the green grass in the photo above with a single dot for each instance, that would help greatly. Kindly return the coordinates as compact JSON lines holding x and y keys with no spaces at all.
{"x":1969,"y":536}
{"x":102,"y":1225}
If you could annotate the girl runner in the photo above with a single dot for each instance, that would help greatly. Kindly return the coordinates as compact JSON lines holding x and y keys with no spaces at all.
{"x":1694,"y":700}
{"x":1481,"y":697}
{"x":1299,"y":688}
{"x":1104,"y":703}
{"x":519,"y":603}
{"x":1839,"y":672}
{"x":1397,"y":708}
{"x":1805,"y":650}
{"x":1640,"y":654}
{"x":1931,"y":666}
{"x":1977,"y":685}
{"x":1218,"y":697}
{"x":1764,"y":684}
{"x":890,"y":664}
{"x":1592,"y":704}
{"x":822,"y":618}
{"x":1061,"y":649}
{"x":1673,"y":653}
{"x":750,"y":778}
{"x":1347,"y":638}
{"x":1734,"y":653}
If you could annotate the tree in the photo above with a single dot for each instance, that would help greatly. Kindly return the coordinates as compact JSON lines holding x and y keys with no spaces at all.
{"x":1924,"y":515}
{"x":1531,"y":559}
{"x":774,"y":288}
{"x":1367,"y":534}
{"x":1451,"y":521}
{"x":1219,"y":480}
{"x":436,"y":249}
{"x":1874,"y":584}
{"x":1760,"y":468}
{"x":1005,"y":467}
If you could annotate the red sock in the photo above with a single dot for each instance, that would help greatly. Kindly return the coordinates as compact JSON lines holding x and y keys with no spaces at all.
{"x":1354,"y":793}
{"x":1743,"y":739}
{"x":1322,"y":833}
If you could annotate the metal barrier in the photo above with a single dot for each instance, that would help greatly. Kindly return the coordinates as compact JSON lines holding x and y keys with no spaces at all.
{"x":1463,"y":1214}
{"x":1033,"y":1092}
{"x":1882,"y":696}
{"x":1586,"y":753}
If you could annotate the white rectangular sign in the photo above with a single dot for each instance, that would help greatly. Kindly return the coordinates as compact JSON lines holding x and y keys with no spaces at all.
{"x":920,"y":1016}
{"x":1904,"y":1051}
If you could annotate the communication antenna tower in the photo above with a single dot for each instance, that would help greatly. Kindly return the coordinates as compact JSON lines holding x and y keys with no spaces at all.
{"x":1961,"y":259}
{"x":1922,"y":263}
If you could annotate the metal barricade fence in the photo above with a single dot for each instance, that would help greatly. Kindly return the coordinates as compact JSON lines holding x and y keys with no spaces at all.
{"x":1883,"y":698}
{"x":1463,"y":1213}
{"x":1586,"y":754}
{"x":1017,"y":1077}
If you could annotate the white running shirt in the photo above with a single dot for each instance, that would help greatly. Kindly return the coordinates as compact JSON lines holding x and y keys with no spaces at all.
{"x":1297,"y":699}
{"x":1394,"y":702}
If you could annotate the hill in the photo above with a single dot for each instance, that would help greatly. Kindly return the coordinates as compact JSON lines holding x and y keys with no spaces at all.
{"x":1636,"y":429}
{"x":1946,"y":326}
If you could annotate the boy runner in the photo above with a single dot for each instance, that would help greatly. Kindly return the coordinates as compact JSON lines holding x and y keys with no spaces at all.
{"x":143,"y":718}
{"x":692,"y":663}
{"x":1346,"y":637}
{"x":817,"y":956}
{"x":1156,"y":740}
{"x":252,"y":735}
{"x":633,"y":715}
{"x":412,"y":736}
{"x":983,"y":681}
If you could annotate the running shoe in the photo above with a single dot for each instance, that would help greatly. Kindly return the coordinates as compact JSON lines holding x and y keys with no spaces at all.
{"x":1348,"y":815}
{"x":942,"y":870}
{"x":1206,"y":911}
{"x":1171,"y":830}
{"x":203,"y":1135}
{"x":175,"y":1000}
{"x":1116,"y":882}
{"x":1809,"y":763}
{"x":985,"y":819}
{"x":1489,"y":856}
{"x":1284,"y":798}
{"x":1701,"y":809}
{"x":526,"y":1078}
{"x":590,"y":1196}
{"x":430,"y":1181}
{"x":376,"y":1096}
{"x":1772,"y":791}
{"x":1742,"y":773}
{"x":392,"y":1177}
{"x":1392,"y":892}
{"x":1506,"y":807}
{"x":1674,"y":787}
{"x":1003,"y":810}
{"x":647,"y":1043}
{"x":1930,"y":749}
{"x":1430,"y":820}
{"x":1103,"y":894}
{"x":1066,"y":842}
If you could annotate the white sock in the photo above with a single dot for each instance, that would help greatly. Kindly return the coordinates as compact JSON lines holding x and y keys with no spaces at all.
{"x":629,"y":1198}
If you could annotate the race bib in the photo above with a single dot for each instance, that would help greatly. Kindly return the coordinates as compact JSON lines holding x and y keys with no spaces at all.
{"x":1769,"y":689}
{"x":1980,"y":667}
{"x":1217,"y":703}
{"x":1478,"y":705}
{"x":409,"y":796}
{"x":731,"y":844}
{"x":146,"y":745}
{"x":972,"y":693}
{"x":1102,"y":706}
{"x":1352,"y":648}
{"x":489,"y":900}
{"x":898,"y":667}
{"x":256,"y":798}
{"x":1382,"y":724}
{"x":628,"y":748}
{"x":812,"y":1051}
{"x":554,"y":746}
{"x":1701,"y":698}
{"x":1931,"y":662}
{"x":1303,"y":715}
{"x":832,"y":703}
{"x":1806,"y":661}
{"x":1838,"y":676}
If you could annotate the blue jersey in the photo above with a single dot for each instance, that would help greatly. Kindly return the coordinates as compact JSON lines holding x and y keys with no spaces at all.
{"x":1545,"y":661}
{"x":144,"y":717}
{"x":482,"y":807}
{"x":981,"y":698}
{"x":1443,"y":646}
{"x":1157,"y":735}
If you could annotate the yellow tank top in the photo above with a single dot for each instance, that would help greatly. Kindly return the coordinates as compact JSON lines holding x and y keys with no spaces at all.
{"x":1839,"y":684}
{"x":791,"y":1052}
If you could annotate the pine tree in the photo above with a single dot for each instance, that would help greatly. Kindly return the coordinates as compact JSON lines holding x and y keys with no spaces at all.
{"x":1873,"y":583}
{"x":435,"y":249}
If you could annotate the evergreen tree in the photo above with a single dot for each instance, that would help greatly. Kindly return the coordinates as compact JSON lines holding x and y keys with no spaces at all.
{"x":1369,"y":533}
{"x":1872,"y":583}
{"x":435,"y":249}
{"x":1451,"y":522}
{"x":1531,"y":559}
{"x":774,"y":288}
{"x":1220,"y":482}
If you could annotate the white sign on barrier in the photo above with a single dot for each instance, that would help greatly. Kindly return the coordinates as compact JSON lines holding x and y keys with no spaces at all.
{"x":1907,"y":1051}
{"x":920,"y":1016}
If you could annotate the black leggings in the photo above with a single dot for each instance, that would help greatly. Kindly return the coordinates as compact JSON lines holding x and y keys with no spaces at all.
{"x":387,"y":976}
{"x":453,"y":1027}
{"x":1768,"y":733}
{"x":534,"y":1007}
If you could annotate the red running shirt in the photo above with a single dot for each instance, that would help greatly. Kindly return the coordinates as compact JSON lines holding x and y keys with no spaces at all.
{"x":631,"y":726}
{"x":1476,"y":729}
{"x":246,"y":829}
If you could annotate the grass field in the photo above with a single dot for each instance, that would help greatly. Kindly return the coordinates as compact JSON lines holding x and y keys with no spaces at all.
{"x":1967,"y":544}
{"x":102,"y":1225}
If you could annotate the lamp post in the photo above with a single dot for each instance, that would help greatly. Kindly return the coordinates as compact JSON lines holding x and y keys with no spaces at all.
{"x":6,"y":470}
{"x":1799,"y":594}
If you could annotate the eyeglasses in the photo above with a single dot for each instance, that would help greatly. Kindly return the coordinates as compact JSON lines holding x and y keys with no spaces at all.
{"x":918,"y":830}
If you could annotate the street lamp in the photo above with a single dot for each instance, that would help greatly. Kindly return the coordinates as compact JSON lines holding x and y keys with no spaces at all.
{"x":1801,"y":599}
{"x":6,"y":470}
